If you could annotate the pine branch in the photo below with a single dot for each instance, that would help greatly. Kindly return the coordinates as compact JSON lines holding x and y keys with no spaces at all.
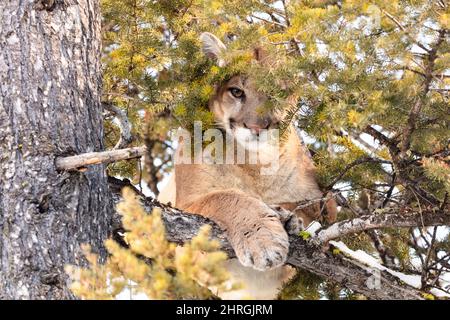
{"x":417,"y":107}
{"x":354,"y":164}
{"x":402,"y":28}
{"x":399,"y":162}
{"x":375,"y":235}
{"x":426,"y":218}
{"x":269,"y":21}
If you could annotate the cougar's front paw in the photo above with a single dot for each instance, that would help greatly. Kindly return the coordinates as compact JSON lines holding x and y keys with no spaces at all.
{"x":263,"y":245}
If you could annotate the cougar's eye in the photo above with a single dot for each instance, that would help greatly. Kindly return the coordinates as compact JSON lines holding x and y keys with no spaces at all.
{"x":237,"y":93}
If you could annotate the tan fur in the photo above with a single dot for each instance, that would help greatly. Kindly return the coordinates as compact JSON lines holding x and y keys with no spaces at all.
{"x":241,"y":200}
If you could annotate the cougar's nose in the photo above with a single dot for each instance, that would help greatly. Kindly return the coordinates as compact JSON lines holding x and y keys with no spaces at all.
{"x":258,"y":126}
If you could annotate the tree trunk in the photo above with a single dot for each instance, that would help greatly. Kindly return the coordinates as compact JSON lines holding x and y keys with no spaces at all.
{"x":49,"y":106}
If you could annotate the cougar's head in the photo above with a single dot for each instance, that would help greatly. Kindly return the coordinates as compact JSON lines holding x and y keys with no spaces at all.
{"x":237,"y":105}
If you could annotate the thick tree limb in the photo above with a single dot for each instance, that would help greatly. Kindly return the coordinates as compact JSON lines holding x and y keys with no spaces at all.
{"x":182,"y":227}
{"x":85,"y":159}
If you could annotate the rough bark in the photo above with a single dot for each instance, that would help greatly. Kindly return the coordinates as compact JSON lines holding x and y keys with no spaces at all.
{"x":49,"y":106}
{"x":182,"y":227}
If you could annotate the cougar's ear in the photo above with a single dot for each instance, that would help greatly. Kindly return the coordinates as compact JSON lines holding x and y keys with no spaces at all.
{"x":213,"y":47}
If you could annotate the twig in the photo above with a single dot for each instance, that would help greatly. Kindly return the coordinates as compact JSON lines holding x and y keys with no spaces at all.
{"x":85,"y":159}
{"x":124,"y":125}
{"x":269,"y":21}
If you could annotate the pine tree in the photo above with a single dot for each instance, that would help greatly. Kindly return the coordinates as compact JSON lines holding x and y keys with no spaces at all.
{"x":372,"y":82}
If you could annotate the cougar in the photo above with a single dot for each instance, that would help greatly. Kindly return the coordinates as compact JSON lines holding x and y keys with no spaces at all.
{"x":256,"y":211}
